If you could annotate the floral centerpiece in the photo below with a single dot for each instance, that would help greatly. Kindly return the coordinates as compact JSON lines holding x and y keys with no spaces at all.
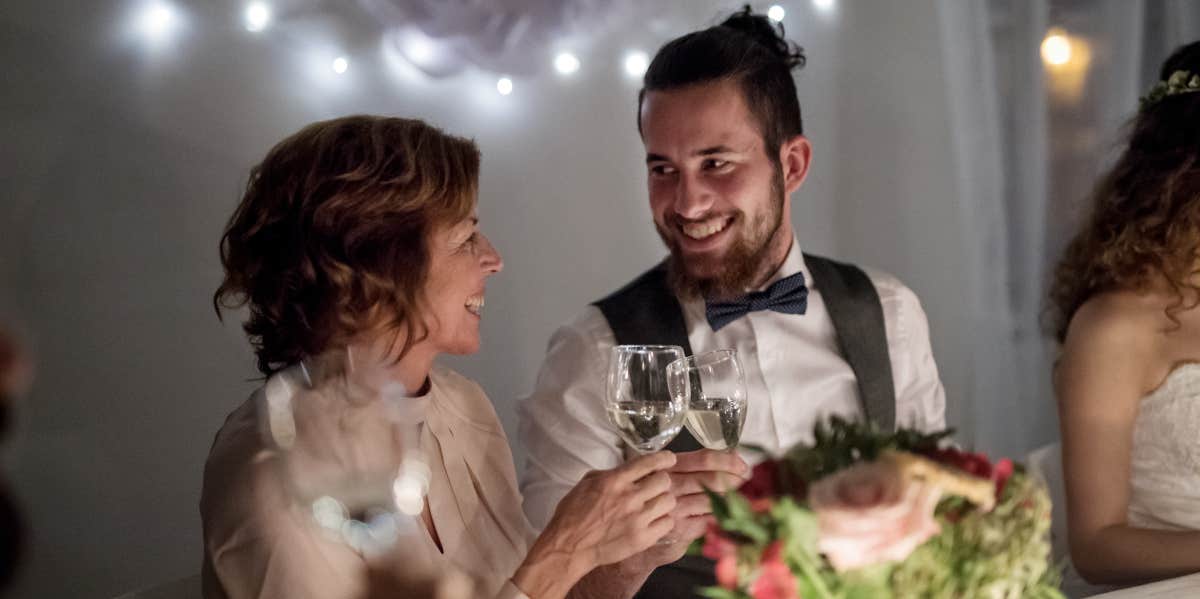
{"x":861,"y":513}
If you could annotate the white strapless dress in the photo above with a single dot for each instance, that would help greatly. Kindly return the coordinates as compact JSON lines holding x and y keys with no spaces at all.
{"x":1165,"y":468}
{"x":1164,"y":474}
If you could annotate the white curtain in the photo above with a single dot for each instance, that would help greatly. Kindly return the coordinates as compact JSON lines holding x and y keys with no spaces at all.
{"x":1007,"y":411}
{"x":1029,"y":143}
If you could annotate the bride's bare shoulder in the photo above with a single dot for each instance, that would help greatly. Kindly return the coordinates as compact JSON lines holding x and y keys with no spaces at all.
{"x":1122,"y":344}
{"x":1117,"y":335}
{"x":1121,"y":317}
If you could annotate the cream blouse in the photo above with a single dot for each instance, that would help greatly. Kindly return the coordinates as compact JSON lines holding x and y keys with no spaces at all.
{"x":259,"y":543}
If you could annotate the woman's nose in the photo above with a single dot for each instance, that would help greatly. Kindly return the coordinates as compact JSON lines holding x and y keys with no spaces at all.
{"x":490,"y":258}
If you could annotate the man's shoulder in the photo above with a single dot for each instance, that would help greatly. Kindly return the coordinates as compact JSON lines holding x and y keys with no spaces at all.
{"x":889,"y":286}
{"x":587,"y":327}
{"x":891,"y":290}
{"x":651,"y":280}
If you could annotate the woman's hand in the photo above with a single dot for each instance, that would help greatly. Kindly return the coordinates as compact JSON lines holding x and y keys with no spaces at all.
{"x":609,"y":516}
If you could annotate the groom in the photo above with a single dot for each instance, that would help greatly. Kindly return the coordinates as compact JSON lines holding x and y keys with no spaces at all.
{"x":725,"y":151}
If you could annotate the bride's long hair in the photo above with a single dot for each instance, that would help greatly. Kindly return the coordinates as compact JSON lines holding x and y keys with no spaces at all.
{"x":1145,"y":219}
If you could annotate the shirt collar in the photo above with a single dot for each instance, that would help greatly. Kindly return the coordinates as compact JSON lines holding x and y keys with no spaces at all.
{"x":792,"y":264}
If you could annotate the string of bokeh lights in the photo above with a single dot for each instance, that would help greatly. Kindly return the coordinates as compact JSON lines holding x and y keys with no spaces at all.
{"x":158,"y":20}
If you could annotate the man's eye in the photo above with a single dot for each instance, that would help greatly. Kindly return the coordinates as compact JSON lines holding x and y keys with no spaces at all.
{"x":662,"y":169}
{"x":714,"y":163}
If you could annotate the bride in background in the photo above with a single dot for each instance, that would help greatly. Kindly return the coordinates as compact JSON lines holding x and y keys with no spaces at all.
{"x":1127,"y":300}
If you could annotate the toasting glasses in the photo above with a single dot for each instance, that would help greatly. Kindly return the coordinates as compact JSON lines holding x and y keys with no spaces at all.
{"x":713,"y":387}
{"x":639,"y":404}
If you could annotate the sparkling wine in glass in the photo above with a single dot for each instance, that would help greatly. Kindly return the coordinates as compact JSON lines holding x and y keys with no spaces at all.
{"x":639,"y":404}
{"x":713,"y":387}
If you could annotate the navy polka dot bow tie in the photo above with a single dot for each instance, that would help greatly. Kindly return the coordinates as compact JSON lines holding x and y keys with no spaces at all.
{"x":788,"y":295}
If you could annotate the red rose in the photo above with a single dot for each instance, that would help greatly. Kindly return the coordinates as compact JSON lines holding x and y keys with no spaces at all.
{"x":1001,"y":473}
{"x":775,"y":579}
{"x":772,"y":554}
{"x":764,"y":481}
{"x":717,"y":545}
{"x":722,"y":550}
{"x":976,"y":464}
{"x":971,"y":463}
{"x":762,"y":506}
{"x":727,"y":572}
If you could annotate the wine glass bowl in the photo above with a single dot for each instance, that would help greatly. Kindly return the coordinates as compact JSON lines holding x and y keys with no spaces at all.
{"x":638,"y":402}
{"x":713,"y":387}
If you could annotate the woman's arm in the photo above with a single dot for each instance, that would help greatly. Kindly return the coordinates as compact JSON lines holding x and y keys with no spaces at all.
{"x":1109,"y":362}
{"x":693,"y":472}
{"x":616,"y":581}
{"x":607,"y":518}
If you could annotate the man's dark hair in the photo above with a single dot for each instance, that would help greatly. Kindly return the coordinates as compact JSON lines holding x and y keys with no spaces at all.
{"x":749,"y":49}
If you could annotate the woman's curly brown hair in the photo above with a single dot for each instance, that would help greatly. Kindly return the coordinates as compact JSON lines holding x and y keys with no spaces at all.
{"x":1145,"y":220}
{"x":329,"y":240}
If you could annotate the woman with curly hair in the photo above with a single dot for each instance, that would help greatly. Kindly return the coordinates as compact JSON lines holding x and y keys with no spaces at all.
{"x":1126,"y":301}
{"x":359,"y":237}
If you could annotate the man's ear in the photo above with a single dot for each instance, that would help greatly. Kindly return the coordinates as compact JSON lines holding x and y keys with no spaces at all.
{"x":794,"y":157}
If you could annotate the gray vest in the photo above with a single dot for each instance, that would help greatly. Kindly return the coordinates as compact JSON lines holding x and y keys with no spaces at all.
{"x":646,"y":312}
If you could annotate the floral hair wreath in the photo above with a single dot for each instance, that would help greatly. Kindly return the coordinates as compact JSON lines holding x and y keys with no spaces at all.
{"x":1180,"y":82}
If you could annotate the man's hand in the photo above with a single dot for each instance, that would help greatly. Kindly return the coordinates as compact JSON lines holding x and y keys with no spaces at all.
{"x":694,"y":471}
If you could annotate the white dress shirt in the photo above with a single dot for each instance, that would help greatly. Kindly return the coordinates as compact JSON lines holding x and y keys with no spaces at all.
{"x":795,"y":377}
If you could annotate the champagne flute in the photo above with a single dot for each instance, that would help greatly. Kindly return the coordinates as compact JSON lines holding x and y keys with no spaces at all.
{"x":713,"y":387}
{"x":638,"y":401}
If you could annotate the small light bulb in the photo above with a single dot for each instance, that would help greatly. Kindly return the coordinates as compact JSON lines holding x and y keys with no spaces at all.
{"x":157,"y":20}
{"x":340,"y":64}
{"x":823,"y":5}
{"x":418,"y":49}
{"x":1056,"y":48}
{"x":566,"y":63}
{"x":636,"y":63}
{"x":504,"y":86}
{"x":776,"y":13}
{"x":258,"y":16}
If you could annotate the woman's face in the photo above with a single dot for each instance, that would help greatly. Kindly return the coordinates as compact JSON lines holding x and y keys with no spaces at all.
{"x":460,"y":260}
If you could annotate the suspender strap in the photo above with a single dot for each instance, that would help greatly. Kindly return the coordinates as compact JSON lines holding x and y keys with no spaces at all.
{"x":854,"y":306}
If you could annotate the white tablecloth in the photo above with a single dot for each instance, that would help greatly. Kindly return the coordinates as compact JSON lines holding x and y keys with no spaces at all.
{"x":1184,"y":586}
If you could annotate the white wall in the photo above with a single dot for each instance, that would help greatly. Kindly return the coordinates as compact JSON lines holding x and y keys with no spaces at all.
{"x":121,"y":165}
{"x":895,"y":178}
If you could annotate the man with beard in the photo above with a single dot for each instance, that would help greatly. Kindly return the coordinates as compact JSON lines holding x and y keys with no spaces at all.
{"x":725,"y":150}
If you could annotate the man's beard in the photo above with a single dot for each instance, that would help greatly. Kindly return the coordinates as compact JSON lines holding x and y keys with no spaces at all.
{"x":743,"y":263}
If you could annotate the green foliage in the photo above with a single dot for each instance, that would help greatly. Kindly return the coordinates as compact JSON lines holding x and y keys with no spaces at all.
{"x":843,"y":442}
{"x":1180,"y":82}
{"x":1004,"y":553}
{"x":720,"y":593}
